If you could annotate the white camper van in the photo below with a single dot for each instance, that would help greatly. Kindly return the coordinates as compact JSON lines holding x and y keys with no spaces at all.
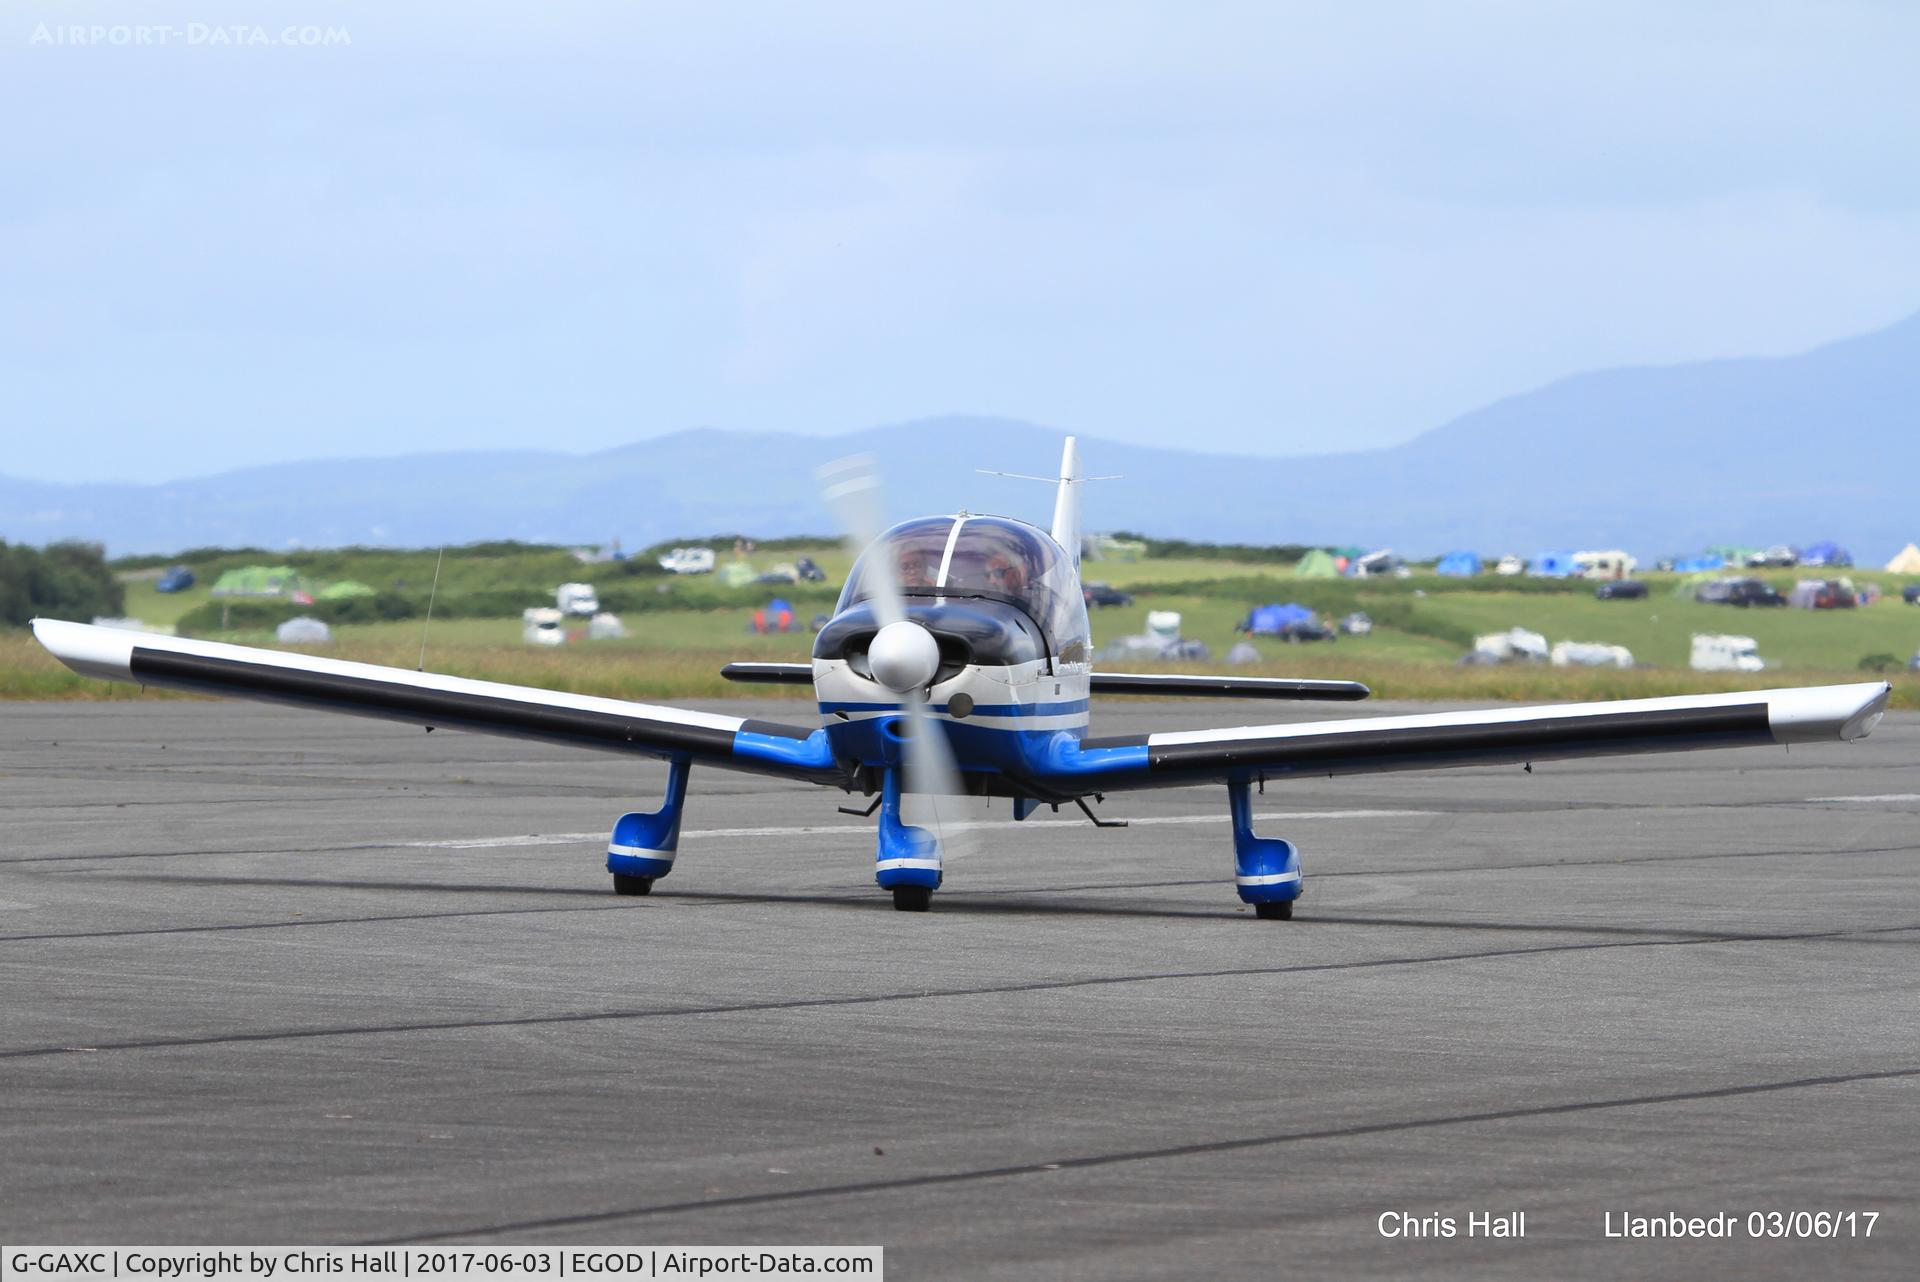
{"x":1720,"y":652}
{"x":542,"y":625}
{"x":577,"y":599}
{"x":688,"y":561}
{"x":1604,"y":565}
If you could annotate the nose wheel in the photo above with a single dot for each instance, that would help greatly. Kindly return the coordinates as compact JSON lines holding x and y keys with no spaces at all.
{"x":912,"y":899}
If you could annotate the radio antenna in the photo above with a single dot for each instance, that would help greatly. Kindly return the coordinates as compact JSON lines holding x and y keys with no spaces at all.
{"x":431,"y":593}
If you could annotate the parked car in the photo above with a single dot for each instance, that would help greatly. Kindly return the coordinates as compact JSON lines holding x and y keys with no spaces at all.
{"x":1779,"y":557}
{"x":1741,"y":592}
{"x":1911,"y":594}
{"x":1105,"y":594}
{"x":178,"y":579}
{"x":1620,"y":590}
{"x":1307,"y":630}
{"x":809,"y":570}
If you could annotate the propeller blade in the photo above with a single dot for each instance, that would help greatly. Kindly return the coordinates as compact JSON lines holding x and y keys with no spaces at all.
{"x":851,"y":489}
{"x":933,"y":783}
{"x":931,"y":778}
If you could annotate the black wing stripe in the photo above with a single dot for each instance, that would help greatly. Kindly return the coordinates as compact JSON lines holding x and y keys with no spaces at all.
{"x":419,"y":706}
{"x":1537,"y":739}
{"x":777,"y":729}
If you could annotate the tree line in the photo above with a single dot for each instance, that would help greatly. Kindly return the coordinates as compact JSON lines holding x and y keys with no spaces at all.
{"x":61,"y":580}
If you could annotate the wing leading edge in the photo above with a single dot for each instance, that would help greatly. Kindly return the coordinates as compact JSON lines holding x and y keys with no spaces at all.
{"x":430,"y":699}
{"x":1494,"y":737}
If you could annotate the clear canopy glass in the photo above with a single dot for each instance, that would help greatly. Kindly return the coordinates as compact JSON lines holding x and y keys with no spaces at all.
{"x":991,"y":557}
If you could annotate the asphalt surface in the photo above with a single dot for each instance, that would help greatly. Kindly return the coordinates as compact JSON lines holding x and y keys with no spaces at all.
{"x":281,"y":977}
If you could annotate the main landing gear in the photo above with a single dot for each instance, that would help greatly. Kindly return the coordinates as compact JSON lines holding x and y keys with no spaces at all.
{"x":642,"y":847}
{"x":1266,"y":870}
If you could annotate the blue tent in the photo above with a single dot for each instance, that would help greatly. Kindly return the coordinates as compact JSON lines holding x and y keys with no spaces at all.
{"x":1700,"y":564}
{"x":1826,"y":552}
{"x":1459,"y":564}
{"x":1272,"y":620}
{"x":1552,"y":565}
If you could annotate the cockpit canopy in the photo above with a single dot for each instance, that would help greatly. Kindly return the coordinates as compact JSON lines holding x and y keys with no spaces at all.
{"x":991,"y":557}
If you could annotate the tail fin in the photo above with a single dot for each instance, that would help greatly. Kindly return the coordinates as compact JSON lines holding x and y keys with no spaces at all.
{"x":1066,"y":504}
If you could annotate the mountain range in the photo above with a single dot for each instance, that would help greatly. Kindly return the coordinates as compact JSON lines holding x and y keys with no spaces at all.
{"x":1657,"y":460}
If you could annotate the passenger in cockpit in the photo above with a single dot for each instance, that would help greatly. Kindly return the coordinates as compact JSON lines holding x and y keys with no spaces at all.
{"x":1007,"y":576}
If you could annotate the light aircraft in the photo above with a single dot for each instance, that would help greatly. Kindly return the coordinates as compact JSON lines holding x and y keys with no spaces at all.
{"x":959,"y":662}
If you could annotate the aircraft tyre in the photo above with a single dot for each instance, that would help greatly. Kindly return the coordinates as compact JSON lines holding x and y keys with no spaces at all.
{"x":1281,"y":911}
{"x":626,"y":885}
{"x":912,"y":899}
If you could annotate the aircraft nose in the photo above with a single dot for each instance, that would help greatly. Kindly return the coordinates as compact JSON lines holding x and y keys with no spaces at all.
{"x":904,"y":656}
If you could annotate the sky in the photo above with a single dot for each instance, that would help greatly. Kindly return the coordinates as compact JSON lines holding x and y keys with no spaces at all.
{"x":236,"y":232}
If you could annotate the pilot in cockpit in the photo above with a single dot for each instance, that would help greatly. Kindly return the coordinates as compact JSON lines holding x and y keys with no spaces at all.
{"x":914,"y":568}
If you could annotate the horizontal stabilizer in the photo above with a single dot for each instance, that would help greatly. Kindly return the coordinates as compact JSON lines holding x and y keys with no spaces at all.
{"x":1226,"y":687}
{"x":770,"y":674}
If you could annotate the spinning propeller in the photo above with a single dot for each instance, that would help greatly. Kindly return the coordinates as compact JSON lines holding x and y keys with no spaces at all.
{"x":903,"y":656}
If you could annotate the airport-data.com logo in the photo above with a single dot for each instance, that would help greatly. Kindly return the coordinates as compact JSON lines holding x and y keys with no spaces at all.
{"x":190,"y":35}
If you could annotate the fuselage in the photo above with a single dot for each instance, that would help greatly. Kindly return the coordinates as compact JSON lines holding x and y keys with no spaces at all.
{"x":1003,"y":601}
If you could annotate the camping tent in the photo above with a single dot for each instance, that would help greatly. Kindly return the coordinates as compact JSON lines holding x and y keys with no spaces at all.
{"x":1908,"y":562}
{"x":1316,"y":564}
{"x":1458,"y":564}
{"x":259,"y":580}
{"x":1826,"y":552}
{"x":303,"y":630}
{"x":1273,"y":620}
{"x":1734,"y":554}
{"x":343,"y":589}
{"x":1552,"y":565}
{"x":1701,"y":564}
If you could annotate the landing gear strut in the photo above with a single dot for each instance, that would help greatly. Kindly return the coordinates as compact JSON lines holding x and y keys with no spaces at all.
{"x":642,"y":847}
{"x":908,"y":859}
{"x":1266,"y":870}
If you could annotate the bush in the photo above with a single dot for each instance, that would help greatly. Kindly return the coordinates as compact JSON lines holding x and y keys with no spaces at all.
{"x":1881,"y":663}
{"x":62,"y":580}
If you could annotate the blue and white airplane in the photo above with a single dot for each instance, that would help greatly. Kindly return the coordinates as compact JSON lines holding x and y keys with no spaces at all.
{"x":959,"y":662}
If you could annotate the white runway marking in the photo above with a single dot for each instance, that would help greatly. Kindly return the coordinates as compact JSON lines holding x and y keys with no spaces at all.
{"x":808,"y":830}
{"x":1885,"y":796}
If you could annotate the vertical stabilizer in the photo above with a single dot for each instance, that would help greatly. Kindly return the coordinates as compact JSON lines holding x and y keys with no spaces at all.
{"x":1066,"y":505}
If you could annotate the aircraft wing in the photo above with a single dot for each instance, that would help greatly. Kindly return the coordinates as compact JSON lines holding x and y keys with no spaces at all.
{"x":432,"y":700}
{"x":1513,"y":736}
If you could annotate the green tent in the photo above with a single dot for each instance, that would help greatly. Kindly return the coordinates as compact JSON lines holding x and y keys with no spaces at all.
{"x":344,"y":588}
{"x":1733,"y":554}
{"x":259,"y":580}
{"x":1317,"y":564}
{"x":737,"y":574}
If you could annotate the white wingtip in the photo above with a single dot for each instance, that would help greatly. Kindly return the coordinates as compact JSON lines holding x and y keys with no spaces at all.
{"x":88,"y":650}
{"x":1827,"y":712}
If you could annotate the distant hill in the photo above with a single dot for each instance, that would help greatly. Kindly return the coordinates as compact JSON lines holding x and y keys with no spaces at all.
{"x":1656,"y":460}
